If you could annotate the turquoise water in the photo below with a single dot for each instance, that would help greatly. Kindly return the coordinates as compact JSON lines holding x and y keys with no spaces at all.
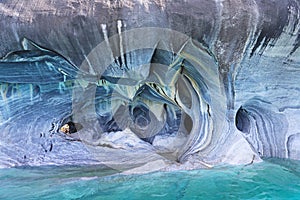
{"x":273,"y":179}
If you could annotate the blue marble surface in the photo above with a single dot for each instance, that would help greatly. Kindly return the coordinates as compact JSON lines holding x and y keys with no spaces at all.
{"x":146,"y":86}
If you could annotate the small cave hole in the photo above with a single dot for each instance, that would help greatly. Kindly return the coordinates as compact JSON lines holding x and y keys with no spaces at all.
{"x":140,"y":115}
{"x":70,"y":127}
{"x":242,"y":121}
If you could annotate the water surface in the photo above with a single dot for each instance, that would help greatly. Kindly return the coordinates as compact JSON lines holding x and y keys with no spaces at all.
{"x":272,"y":179}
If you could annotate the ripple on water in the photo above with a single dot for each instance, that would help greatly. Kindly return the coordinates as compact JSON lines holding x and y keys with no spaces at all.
{"x":279,"y":179}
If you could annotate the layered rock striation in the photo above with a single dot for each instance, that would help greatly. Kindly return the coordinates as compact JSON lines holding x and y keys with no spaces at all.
{"x":149,"y":85}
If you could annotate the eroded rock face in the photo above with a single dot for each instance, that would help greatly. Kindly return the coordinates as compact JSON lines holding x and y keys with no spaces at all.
{"x":152,"y":85}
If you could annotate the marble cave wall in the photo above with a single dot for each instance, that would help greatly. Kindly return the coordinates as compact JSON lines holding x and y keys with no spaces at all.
{"x":249,"y":59}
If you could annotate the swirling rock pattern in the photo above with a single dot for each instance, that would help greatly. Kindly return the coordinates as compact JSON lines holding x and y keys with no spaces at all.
{"x":150,"y":85}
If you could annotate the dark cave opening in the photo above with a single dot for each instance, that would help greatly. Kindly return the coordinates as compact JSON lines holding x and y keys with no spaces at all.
{"x":242,"y":121}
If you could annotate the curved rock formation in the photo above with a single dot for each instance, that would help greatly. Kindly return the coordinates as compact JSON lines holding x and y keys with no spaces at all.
{"x":149,"y":84}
